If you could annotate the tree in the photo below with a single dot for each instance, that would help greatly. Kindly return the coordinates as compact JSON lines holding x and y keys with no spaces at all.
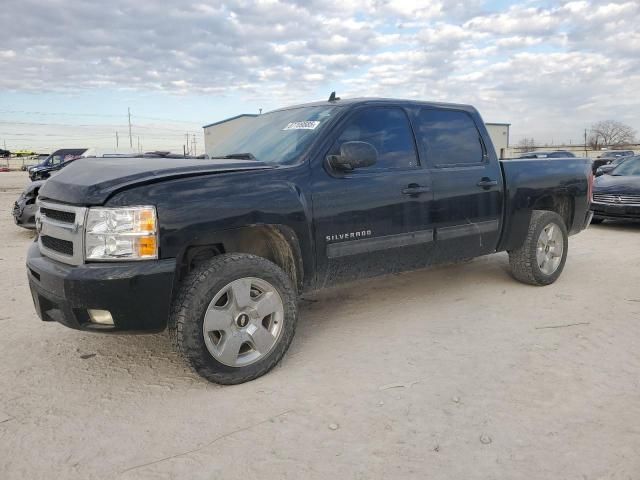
{"x":610,"y":133}
{"x":527,"y":144}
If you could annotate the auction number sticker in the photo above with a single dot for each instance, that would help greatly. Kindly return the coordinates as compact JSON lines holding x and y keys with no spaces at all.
{"x":301,"y":126}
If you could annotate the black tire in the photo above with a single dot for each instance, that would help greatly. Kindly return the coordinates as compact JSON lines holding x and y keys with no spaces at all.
{"x":523,"y":261}
{"x":596,"y":220}
{"x":193,"y":298}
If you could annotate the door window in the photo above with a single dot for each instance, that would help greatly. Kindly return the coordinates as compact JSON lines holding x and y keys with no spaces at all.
{"x":388,"y":130}
{"x":449,"y":138}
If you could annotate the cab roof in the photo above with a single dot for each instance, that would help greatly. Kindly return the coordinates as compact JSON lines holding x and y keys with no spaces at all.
{"x":351,"y":102}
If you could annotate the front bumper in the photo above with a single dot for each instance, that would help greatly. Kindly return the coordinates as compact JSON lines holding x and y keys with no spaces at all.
{"x":610,"y":210}
{"x":138,"y":294}
{"x":24,"y":214}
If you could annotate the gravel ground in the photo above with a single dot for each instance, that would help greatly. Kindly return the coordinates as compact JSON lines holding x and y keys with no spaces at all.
{"x":457,"y":372}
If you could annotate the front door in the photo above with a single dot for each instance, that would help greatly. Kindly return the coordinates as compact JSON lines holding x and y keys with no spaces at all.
{"x":372,"y":220}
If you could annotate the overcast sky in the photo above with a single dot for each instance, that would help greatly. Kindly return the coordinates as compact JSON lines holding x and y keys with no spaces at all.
{"x":70,"y":69}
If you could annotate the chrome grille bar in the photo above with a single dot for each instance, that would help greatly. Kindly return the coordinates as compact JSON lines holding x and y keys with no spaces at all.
{"x":616,"y":199}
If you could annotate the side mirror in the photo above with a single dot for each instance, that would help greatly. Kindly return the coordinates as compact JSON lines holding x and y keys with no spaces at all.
{"x":354,"y":155}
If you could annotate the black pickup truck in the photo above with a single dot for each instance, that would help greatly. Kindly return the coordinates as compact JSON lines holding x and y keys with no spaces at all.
{"x":219,"y":250}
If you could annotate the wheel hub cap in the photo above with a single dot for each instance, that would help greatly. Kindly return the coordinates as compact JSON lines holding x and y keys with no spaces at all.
{"x":550,"y":249}
{"x":243,"y":322}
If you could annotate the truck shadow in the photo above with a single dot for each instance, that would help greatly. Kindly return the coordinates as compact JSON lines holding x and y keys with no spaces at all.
{"x":150,"y":359}
{"x":619,"y":225}
{"x":416,"y":289}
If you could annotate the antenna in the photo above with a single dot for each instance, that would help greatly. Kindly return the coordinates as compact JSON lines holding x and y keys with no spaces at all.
{"x":333,"y":98}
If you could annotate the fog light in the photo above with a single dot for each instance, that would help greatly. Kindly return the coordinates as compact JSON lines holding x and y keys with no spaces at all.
{"x":103,"y":317}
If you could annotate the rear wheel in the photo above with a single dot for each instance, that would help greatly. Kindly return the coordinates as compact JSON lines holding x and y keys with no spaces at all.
{"x":541,"y":258}
{"x":596,"y":220}
{"x":234,"y":318}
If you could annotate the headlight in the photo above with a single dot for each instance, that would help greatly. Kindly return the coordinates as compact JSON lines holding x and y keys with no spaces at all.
{"x":127,"y":233}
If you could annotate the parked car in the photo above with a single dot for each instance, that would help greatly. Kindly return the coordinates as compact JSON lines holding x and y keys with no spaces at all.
{"x":24,"y":208}
{"x":617,"y":195}
{"x":607,"y":168}
{"x":303,"y":198}
{"x":607,"y":157}
{"x":56,"y":161}
{"x":616,"y":153}
{"x":30,"y":162}
{"x":554,"y":154}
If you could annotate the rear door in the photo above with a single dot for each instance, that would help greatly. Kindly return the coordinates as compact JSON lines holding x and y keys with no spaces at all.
{"x":467,"y":182}
{"x":372,"y":220}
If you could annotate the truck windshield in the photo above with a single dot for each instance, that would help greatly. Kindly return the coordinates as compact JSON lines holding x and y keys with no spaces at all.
{"x":278,"y":137}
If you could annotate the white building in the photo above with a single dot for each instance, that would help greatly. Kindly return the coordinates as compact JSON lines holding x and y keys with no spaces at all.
{"x":215,"y":132}
{"x":499,"y":133}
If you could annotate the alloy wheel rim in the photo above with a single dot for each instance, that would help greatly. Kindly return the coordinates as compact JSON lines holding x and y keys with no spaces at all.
{"x":243,"y":322}
{"x":550,"y":248}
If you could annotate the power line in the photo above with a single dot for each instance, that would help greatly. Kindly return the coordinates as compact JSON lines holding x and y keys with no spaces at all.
{"x":27,"y":112}
{"x":91,"y":125}
{"x":99,"y":115}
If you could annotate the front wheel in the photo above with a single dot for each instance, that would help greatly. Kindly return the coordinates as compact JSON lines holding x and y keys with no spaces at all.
{"x":541,"y":258}
{"x":234,"y":318}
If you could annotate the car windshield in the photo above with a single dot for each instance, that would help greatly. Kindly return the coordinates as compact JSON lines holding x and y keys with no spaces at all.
{"x":629,"y":167}
{"x":278,"y":137}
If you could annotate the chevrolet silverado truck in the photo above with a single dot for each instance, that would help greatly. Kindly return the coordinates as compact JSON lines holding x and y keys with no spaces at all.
{"x":219,"y":250}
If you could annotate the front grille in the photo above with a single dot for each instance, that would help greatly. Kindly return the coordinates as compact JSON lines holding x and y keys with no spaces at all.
{"x":61,"y":229}
{"x":64,"y":247}
{"x":616,"y":199}
{"x":59,"y":215}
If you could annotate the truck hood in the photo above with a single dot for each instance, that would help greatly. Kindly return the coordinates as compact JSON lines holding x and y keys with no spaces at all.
{"x":91,"y":181}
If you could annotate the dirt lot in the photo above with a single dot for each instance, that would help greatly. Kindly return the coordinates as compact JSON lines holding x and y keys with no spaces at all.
{"x":457,"y":372}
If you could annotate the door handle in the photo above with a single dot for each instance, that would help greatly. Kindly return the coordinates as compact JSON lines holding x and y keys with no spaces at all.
{"x":415,"y":189}
{"x":487,"y":183}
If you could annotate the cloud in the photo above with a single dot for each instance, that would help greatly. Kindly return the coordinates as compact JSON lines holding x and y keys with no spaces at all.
{"x":530,"y":62}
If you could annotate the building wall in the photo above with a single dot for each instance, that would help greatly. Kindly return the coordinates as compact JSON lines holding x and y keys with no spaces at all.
{"x":499,"y":133}
{"x":214,"y":134}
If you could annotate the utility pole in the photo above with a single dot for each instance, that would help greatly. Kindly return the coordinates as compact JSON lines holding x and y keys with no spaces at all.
{"x":139,"y":151}
{"x":195,"y":151}
{"x":130,"y":138}
{"x":585,"y":142}
{"x":188,"y":150}
{"x":117,"y":140}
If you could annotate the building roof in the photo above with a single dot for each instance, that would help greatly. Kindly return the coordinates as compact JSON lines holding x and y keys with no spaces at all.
{"x":497,"y":123}
{"x":232,"y":118}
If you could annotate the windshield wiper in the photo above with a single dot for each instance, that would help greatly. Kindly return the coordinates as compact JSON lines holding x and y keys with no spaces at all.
{"x":238,"y":156}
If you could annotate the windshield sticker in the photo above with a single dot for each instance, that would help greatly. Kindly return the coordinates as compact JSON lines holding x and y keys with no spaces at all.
{"x":301,"y":126}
